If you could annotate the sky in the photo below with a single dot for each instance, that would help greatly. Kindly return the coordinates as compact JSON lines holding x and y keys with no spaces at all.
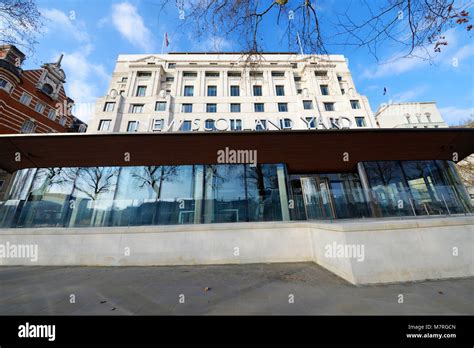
{"x":92,"y":33}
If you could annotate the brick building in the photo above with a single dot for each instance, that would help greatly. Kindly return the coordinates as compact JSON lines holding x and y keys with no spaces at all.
{"x":33,"y":101}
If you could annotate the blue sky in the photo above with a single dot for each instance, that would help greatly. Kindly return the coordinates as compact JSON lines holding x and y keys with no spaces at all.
{"x":93,"y":33}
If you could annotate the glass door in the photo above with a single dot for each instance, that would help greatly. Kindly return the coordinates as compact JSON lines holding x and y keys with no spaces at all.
{"x":317,"y":198}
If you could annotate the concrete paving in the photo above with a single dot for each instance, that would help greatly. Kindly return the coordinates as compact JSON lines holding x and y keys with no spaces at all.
{"x":231,"y":289}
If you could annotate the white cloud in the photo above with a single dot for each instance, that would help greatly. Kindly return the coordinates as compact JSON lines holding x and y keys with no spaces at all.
{"x":84,"y":79}
{"x":409,"y":95}
{"x":421,"y":58}
{"x":81,"y":84}
{"x":57,"y":21}
{"x":454,"y":116}
{"x":131,"y":26}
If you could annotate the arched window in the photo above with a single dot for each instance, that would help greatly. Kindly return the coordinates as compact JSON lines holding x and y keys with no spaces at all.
{"x":47,"y":88}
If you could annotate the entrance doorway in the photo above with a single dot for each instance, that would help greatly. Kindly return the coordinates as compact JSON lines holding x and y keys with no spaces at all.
{"x":317,"y":198}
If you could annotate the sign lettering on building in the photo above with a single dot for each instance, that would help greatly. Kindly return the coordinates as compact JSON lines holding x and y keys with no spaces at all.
{"x":223,"y":124}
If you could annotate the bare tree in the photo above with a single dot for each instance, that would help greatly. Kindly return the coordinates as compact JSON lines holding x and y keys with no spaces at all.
{"x":415,"y":27}
{"x":154,"y":176}
{"x":95,"y":181}
{"x":412,"y":24}
{"x":20,"y":21}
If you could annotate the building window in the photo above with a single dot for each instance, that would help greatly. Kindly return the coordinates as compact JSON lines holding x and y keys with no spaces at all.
{"x":109,"y":107}
{"x":39,"y":108}
{"x":160,"y":106}
{"x":62,"y":121}
{"x":52,"y":114}
{"x":171,"y":65}
{"x":187,"y":108}
{"x":124,"y":79}
{"x":188,"y":91}
{"x":211,"y":91}
{"x":282,"y":107}
{"x":257,"y":91}
{"x":234,"y":91}
{"x":209,"y":125}
{"x":189,"y":74}
{"x":234,"y":107}
{"x":144,"y":74}
{"x":2,"y":182}
{"x":47,"y":88}
{"x":360,"y":122}
{"x":339,"y":78}
{"x":211,"y":107}
{"x":141,"y":91}
{"x":355,"y":104}
{"x":82,"y":128}
{"x":25,"y":99}
{"x":329,"y":106}
{"x":212,"y":74}
{"x":104,"y":125}
{"x":186,"y":126}
{"x":169,"y":79}
{"x":280,"y":90}
{"x":235,"y":125}
{"x":260,"y":125}
{"x":256,"y":74}
{"x":428,"y":117}
{"x":157,"y":125}
{"x":234,"y":74}
{"x":136,"y":108}
{"x":408,"y":119}
{"x":311,"y":121}
{"x":343,"y":91}
{"x":307,"y":104}
{"x":299,"y":91}
{"x":132,"y":126}
{"x":28,"y":127}
{"x":278,"y":74}
{"x":324,"y":89}
{"x":259,"y":107}
{"x":297,"y":78}
{"x":286,"y":123}
{"x":321,"y":73}
{"x":5,"y":85}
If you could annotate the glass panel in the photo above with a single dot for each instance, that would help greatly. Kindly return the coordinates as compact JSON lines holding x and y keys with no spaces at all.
{"x":48,"y":204}
{"x":93,"y":195}
{"x":157,"y":195}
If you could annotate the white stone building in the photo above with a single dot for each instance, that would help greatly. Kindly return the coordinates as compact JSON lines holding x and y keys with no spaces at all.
{"x":409,"y":115}
{"x":210,"y":91}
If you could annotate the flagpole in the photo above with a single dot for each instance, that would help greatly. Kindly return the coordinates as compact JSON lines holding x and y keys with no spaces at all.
{"x":163,"y":43}
{"x":299,"y":42}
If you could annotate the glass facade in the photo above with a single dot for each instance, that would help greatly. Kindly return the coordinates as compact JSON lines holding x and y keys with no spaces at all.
{"x":415,"y":188}
{"x":193,"y":194}
{"x":146,"y":195}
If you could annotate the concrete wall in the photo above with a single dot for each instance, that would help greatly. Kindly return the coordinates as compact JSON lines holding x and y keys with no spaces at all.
{"x":393,"y":250}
